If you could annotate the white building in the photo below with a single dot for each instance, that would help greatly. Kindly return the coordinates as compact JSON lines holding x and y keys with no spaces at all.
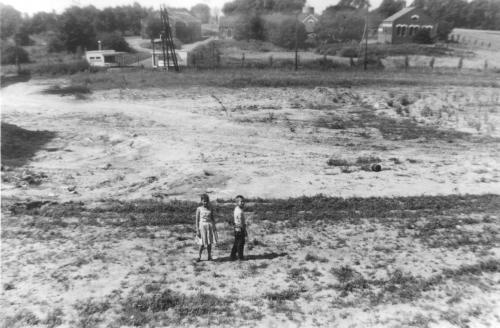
{"x":105,"y":58}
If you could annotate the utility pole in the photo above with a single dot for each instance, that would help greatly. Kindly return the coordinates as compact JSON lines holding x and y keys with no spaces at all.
{"x":296,"y":42}
{"x":365,"y":64}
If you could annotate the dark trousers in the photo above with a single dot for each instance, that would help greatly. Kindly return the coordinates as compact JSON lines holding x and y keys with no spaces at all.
{"x":239,"y":244}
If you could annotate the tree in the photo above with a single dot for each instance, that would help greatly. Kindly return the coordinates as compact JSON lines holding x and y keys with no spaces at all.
{"x":344,"y":24}
{"x":284,"y":35}
{"x":78,"y":29}
{"x":202,"y":12}
{"x":22,"y":35}
{"x":12,"y":54}
{"x":114,"y":41}
{"x":43,"y":22}
{"x":355,"y":4}
{"x":10,"y":20}
{"x":262,"y":6}
{"x":483,"y":14}
{"x":152,"y":26}
{"x":249,"y":27}
{"x":389,"y":7}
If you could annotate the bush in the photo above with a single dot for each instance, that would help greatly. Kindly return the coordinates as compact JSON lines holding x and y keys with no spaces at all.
{"x":14,"y":54}
{"x":423,"y":37}
{"x":61,"y":68}
{"x":348,"y":51}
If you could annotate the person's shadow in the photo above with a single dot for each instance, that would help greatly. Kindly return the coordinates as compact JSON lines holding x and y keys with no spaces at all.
{"x":265,"y":256}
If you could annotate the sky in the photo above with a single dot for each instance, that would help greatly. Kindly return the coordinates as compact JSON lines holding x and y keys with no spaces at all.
{"x":32,"y":6}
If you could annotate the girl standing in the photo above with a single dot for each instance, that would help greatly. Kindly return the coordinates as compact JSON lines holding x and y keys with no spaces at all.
{"x":205,"y":226}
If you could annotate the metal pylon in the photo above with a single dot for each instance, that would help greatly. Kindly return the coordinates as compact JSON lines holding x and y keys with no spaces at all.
{"x":167,"y":41}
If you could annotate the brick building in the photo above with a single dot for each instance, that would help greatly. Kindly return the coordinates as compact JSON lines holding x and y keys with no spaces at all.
{"x":404,"y":25}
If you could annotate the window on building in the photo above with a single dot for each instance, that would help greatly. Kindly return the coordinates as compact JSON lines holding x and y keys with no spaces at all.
{"x":403,"y":30}
{"x":415,"y":17}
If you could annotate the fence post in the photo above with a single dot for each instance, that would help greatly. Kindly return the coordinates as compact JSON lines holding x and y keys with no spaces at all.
{"x":407,"y":62}
{"x":243,"y":59}
{"x":485,"y":64}
{"x":431,"y":63}
{"x":351,"y":61}
{"x":460,"y":63}
{"x":271,"y":61}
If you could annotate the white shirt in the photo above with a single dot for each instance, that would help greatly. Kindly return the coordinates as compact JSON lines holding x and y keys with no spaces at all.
{"x":239,"y":218}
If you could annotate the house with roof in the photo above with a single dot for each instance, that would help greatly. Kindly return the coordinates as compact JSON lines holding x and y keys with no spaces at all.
{"x":309,"y":19}
{"x":404,"y":25}
{"x":227,"y":26}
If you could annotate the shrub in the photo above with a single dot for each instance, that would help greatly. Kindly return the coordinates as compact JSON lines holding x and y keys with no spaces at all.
{"x":61,"y":68}
{"x":423,"y":36}
{"x":10,"y":53}
{"x":348,"y":52}
{"x":337,"y":162}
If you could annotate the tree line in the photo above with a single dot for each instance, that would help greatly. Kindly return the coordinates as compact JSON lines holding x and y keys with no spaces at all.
{"x":345,"y":21}
{"x":80,"y":27}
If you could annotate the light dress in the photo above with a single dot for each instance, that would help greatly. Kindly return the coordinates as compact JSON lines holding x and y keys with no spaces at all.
{"x":207,"y":226}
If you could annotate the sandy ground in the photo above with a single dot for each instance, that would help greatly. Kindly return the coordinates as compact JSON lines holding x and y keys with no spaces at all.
{"x":128,"y":144}
{"x":260,"y":142}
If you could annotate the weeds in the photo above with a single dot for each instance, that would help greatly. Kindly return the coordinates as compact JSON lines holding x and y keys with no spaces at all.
{"x":313,"y":258}
{"x":243,"y":78}
{"x":20,"y":319}
{"x":150,"y":212}
{"x":90,"y":312}
{"x":337,"y":162}
{"x":142,"y":306}
{"x":289,"y":294}
{"x":54,"y":318}
{"x":69,"y":90}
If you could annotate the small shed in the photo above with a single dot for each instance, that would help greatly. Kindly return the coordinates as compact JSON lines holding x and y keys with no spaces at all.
{"x":158,"y":60}
{"x":404,"y":25}
{"x":104,"y":58}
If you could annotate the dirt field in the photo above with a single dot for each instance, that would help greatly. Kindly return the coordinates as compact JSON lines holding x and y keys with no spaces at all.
{"x":99,"y":191}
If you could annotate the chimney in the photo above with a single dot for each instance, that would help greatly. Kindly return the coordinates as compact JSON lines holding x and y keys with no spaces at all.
{"x":99,"y":46}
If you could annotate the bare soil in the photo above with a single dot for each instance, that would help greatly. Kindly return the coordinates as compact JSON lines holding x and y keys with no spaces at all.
{"x":70,"y":259}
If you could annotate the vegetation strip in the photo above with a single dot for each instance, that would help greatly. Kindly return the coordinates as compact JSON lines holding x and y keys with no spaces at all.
{"x":152,"y":212}
{"x":242,"y":78}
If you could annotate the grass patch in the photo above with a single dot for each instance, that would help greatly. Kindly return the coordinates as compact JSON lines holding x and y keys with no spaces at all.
{"x":140,"y":309}
{"x":289,"y":294}
{"x":313,"y":258}
{"x":21,"y":319}
{"x":243,"y":78}
{"x":90,"y":312}
{"x":150,"y":212}
{"x":72,"y":90}
{"x":337,"y":162}
{"x":20,"y":145}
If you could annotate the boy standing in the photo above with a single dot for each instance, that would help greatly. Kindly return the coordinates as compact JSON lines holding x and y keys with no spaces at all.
{"x":240,"y":229}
